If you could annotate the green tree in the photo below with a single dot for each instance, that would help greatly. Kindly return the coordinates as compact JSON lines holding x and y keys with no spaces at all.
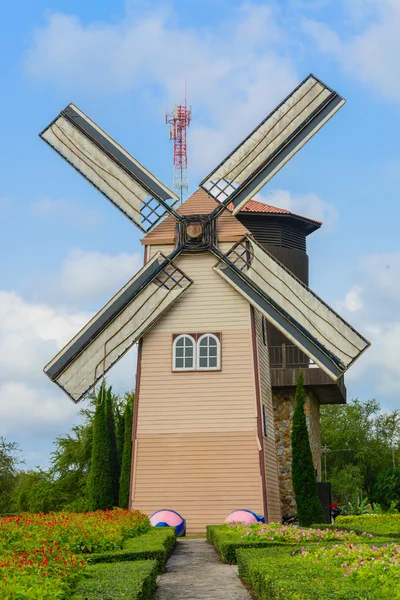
{"x":70,"y":463}
{"x":347,"y":484}
{"x":120,"y":424}
{"x":125,"y":479}
{"x":387,"y":488}
{"x":111,"y":401}
{"x":309,"y":509}
{"x":9,"y":459}
{"x":36,"y":491}
{"x":100,"y":487}
{"x":360,"y":435}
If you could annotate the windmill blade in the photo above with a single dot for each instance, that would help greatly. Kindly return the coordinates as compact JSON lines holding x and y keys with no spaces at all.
{"x":292,"y":307}
{"x":119,"y":325}
{"x":136,"y":192}
{"x":270,"y":145}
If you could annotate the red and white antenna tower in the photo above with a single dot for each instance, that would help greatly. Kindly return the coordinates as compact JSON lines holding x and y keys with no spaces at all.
{"x":178,"y":121}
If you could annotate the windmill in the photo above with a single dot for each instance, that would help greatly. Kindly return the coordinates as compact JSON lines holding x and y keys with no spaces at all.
{"x":204,"y":433}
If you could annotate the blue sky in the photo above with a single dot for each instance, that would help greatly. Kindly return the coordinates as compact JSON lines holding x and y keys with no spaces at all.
{"x":64,"y":250}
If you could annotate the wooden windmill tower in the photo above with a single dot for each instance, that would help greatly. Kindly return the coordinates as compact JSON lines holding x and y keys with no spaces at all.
{"x":204,"y":435}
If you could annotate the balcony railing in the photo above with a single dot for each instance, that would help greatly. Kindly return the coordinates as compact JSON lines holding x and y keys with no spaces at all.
{"x":287,"y":356}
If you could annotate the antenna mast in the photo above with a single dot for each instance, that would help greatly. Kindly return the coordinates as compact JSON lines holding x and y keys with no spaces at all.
{"x":178,"y":121}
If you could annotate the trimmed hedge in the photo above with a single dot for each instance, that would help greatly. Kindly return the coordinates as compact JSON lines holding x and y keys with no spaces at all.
{"x":123,"y":581}
{"x":387,"y":526}
{"x":227,"y":543}
{"x":157,"y":544}
{"x":274,"y":574}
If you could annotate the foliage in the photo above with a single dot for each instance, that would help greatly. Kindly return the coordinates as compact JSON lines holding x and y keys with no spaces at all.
{"x":358,"y":435}
{"x":309,"y":509}
{"x":228,"y":538}
{"x":100,"y":488}
{"x":70,"y":464}
{"x":112,"y":442}
{"x":157,"y":544}
{"x":125,"y":479}
{"x":346,"y":483}
{"x":46,"y":573}
{"x":136,"y":581}
{"x":39,"y":554}
{"x":8,"y":471}
{"x":120,"y":427}
{"x":379,"y":525}
{"x":387,"y":488}
{"x":354,"y":572}
{"x":35,"y":491}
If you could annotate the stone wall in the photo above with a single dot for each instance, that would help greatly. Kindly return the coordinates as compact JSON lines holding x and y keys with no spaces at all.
{"x":284,"y":401}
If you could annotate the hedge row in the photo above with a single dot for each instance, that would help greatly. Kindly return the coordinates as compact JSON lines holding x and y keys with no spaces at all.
{"x":382,"y":525}
{"x":156,"y":545}
{"x":122,"y":581}
{"x":227,"y":543}
{"x":274,"y":574}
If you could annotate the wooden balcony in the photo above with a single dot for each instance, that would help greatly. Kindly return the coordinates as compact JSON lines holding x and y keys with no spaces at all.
{"x":285,"y":364}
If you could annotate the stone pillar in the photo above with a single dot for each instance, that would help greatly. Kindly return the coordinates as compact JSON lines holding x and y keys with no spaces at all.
{"x":284,"y":402}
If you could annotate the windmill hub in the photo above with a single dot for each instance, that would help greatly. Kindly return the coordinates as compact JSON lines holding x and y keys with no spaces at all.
{"x":194,"y":230}
{"x":196,"y":233}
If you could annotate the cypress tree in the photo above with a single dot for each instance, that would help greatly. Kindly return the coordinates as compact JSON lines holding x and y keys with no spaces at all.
{"x":112,"y":444}
{"x":309,"y":509}
{"x":100,"y":489}
{"x":125,"y":479}
{"x":120,"y":423}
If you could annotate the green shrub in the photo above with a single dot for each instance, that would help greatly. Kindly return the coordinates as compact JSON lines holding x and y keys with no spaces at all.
{"x":387,"y":488}
{"x":318,"y":573}
{"x":309,"y":507}
{"x":120,"y":581}
{"x":378,"y":525}
{"x":227,"y":539}
{"x":157,"y":544}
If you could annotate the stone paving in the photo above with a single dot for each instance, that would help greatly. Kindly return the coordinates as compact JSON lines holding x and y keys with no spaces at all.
{"x":195,"y":572}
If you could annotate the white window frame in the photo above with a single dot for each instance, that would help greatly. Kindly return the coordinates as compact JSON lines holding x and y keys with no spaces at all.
{"x":174,"y":357}
{"x":218,"y":367}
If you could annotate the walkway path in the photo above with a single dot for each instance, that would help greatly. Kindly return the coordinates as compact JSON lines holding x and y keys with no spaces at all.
{"x":195,"y":572}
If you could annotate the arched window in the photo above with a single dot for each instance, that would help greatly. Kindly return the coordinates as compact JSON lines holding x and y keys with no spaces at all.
{"x":208,"y":352}
{"x":184,"y":355}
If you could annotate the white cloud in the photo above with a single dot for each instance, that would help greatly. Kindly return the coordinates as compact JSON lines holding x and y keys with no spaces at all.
{"x":370,"y":54}
{"x":353,"y":300}
{"x":66,"y":211}
{"x":30,"y":335}
{"x":307,"y":205}
{"x":373,"y":305}
{"x":88,"y":275}
{"x":236,"y":74}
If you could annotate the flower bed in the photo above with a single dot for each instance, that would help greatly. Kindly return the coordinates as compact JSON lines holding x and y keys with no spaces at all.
{"x":39,"y":554}
{"x":228,"y":538}
{"x":351,"y":571}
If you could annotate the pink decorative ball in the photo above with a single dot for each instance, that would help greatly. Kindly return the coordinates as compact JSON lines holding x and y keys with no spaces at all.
{"x":242,"y":516}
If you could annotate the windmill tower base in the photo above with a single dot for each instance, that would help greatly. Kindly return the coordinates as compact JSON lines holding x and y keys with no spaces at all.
{"x":284,"y":402}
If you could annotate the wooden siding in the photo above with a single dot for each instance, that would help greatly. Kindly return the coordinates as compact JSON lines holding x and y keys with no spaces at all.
{"x":204,"y":477}
{"x":196,"y":448}
{"x":271,"y":464}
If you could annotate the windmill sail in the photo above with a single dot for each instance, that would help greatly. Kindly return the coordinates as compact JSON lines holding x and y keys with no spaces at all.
{"x":110,"y":168}
{"x":292,"y":307}
{"x":270,"y":145}
{"x":119,"y":325}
